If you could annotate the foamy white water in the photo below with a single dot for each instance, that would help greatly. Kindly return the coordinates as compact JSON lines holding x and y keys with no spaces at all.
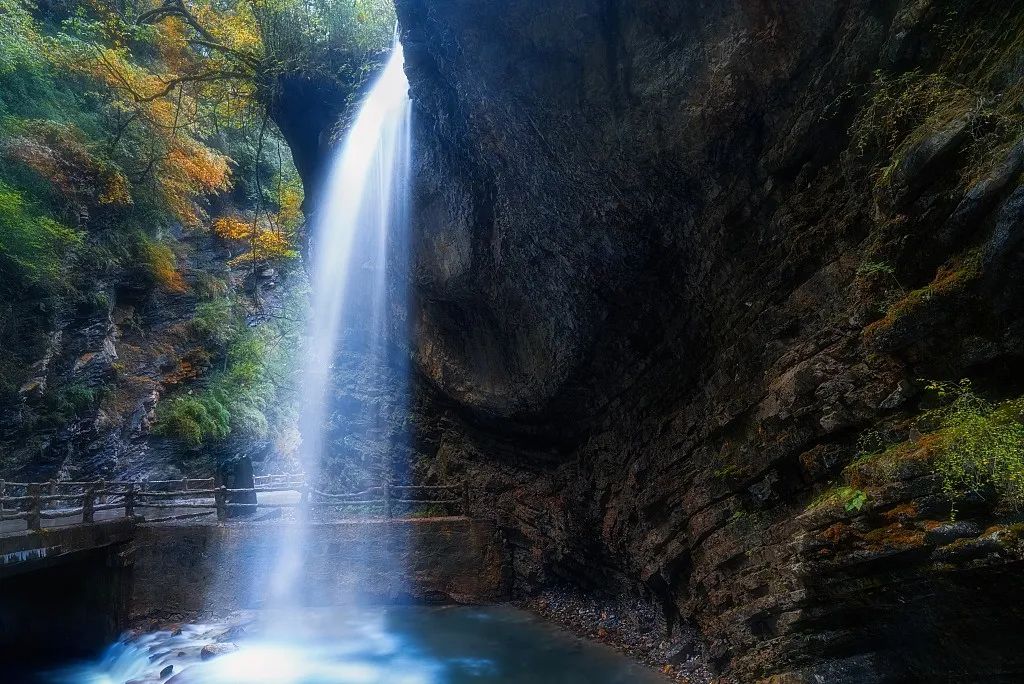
{"x":398,"y":645}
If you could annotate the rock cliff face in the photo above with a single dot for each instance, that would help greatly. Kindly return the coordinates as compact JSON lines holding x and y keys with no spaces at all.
{"x":88,"y":407}
{"x":676,"y":258}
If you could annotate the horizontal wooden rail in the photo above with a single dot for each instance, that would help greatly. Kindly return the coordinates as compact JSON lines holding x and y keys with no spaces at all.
{"x":179,"y":495}
{"x":54,"y":499}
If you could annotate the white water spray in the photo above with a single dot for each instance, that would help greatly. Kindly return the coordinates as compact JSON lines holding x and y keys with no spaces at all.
{"x":361,"y":220}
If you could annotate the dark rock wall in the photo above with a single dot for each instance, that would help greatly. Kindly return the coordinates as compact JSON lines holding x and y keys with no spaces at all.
{"x":648,"y":326}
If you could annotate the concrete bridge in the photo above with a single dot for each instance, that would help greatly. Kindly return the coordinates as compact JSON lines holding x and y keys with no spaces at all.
{"x":77,"y":584}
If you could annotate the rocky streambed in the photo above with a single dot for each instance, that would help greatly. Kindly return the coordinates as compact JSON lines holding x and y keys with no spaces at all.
{"x":631,"y":626}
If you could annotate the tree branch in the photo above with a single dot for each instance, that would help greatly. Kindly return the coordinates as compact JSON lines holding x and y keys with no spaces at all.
{"x":176,"y":8}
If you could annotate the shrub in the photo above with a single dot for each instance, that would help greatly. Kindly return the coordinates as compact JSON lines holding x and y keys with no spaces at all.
{"x":20,"y":48}
{"x":851,"y":498}
{"x":216,"y":320}
{"x":76,"y":399}
{"x":194,"y":419}
{"x":247,"y":396}
{"x":162,"y":264}
{"x":980,"y":443}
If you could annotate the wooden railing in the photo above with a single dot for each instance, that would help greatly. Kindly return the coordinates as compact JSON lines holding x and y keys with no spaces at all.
{"x":35,"y":502}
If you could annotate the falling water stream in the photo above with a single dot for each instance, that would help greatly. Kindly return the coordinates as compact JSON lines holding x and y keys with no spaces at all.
{"x":358,"y":233}
{"x":358,"y":249}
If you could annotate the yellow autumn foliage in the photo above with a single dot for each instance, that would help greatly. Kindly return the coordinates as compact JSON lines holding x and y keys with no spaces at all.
{"x":289,"y":215}
{"x":267,"y":245}
{"x":116,"y":191}
{"x":232,"y":228}
{"x":163,"y":265}
{"x":182,"y":168}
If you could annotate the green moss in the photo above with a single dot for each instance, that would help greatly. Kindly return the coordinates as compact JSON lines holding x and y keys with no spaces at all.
{"x":949,"y":280}
{"x":727,"y":471}
{"x":851,"y":498}
{"x":429,"y":511}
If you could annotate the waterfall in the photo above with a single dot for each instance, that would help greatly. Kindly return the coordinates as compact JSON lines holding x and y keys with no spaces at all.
{"x":359,"y":229}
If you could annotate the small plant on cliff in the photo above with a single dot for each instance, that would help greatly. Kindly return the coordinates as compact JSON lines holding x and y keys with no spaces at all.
{"x":951,"y":280}
{"x":851,"y":498}
{"x":981,"y":444}
{"x":162,"y":264}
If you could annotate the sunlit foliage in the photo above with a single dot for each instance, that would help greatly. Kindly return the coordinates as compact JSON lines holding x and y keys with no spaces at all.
{"x":21,"y":46}
{"x":981,"y":443}
{"x":163,"y":265}
{"x":127,"y":129}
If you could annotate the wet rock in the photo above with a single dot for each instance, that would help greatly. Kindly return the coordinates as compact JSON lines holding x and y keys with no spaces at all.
{"x":683,"y":651}
{"x":922,"y":161}
{"x":214,"y":650}
{"x":985,"y":193}
{"x":944,"y":534}
{"x":33,"y":390}
{"x":676,"y":312}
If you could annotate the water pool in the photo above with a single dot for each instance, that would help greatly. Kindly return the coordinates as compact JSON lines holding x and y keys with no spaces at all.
{"x":402,"y":645}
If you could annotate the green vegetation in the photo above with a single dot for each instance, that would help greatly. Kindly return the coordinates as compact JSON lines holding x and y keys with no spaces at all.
{"x":980,"y":444}
{"x":727,"y":471}
{"x":851,"y":498}
{"x":249,"y":394}
{"x":303,"y":35}
{"x":195,"y":419}
{"x":34,"y":245}
{"x":950,"y":280}
{"x":126,"y":131}
{"x":973,"y":87}
{"x":975,"y":445}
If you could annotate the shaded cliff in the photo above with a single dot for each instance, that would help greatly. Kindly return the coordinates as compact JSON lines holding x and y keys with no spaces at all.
{"x":677,"y":262}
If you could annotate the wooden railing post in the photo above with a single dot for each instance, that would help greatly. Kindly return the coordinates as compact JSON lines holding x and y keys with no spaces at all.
{"x":220,"y":499}
{"x":3,"y":493}
{"x":103,"y":492}
{"x":88,"y":504}
{"x":387,"y":499}
{"x":129,"y":501}
{"x":465,"y":497}
{"x":34,"y":520}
